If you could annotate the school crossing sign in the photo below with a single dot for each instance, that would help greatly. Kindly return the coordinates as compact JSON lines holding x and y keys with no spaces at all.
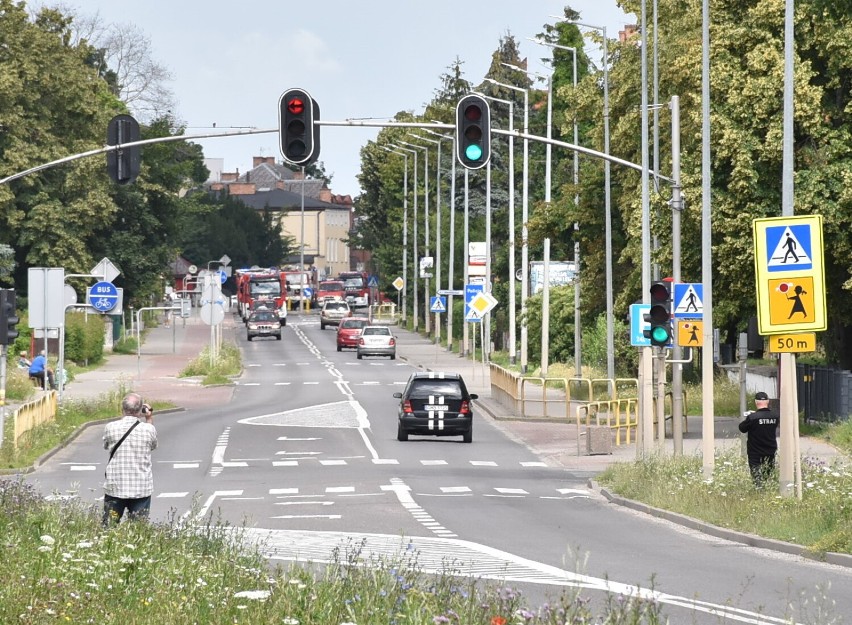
{"x":788,"y":262}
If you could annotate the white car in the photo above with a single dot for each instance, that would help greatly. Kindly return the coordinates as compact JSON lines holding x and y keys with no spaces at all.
{"x":376,"y":341}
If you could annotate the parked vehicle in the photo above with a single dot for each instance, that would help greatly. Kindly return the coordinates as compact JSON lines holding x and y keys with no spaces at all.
{"x":332,"y":312}
{"x":263,"y":323}
{"x":376,"y":341}
{"x":349,"y":331}
{"x":435,"y":404}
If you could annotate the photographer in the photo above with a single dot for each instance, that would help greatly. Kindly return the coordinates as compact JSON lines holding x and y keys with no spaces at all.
{"x":129,"y":478}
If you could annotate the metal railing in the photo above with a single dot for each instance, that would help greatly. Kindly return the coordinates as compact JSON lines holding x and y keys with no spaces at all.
{"x":564,"y":399}
{"x":620,"y":415}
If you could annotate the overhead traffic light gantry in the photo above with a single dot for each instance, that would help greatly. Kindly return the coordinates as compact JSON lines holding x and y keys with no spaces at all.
{"x":297,"y":112}
{"x":660,"y":315}
{"x":473,"y":131}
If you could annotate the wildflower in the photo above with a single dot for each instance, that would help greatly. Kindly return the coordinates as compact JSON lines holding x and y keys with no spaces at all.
{"x":252,"y":594}
{"x":438,"y":620}
{"x":126,"y":560}
{"x":48,"y":540}
{"x":498,"y":620}
{"x":84,"y":544}
{"x":290,"y":621}
{"x":45,"y":548}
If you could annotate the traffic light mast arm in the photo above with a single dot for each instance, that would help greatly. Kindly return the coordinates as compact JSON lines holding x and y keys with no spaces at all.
{"x":349,"y":122}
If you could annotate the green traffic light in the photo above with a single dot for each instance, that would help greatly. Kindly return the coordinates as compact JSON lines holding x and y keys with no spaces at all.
{"x":659,"y":335}
{"x":473,"y":152}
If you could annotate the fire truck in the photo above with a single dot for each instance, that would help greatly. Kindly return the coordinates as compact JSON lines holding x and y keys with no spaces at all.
{"x":294,"y":280}
{"x":356,"y":285}
{"x":256,"y":287}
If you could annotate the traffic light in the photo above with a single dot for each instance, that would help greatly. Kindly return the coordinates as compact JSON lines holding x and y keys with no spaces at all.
{"x":473,"y":131}
{"x":299,"y":137}
{"x":660,"y":315}
{"x":123,"y":164}
{"x":8,"y":317}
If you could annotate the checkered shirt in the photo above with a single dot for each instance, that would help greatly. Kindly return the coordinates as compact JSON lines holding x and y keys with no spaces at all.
{"x":129,"y":475}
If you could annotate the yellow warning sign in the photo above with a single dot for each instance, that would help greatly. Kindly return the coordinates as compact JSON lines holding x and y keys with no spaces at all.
{"x":689,"y":333}
{"x":792,"y":343}
{"x":791,"y":302}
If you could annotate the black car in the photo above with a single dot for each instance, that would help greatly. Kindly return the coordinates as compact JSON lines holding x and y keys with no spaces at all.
{"x":263,"y":323}
{"x":435,"y":404}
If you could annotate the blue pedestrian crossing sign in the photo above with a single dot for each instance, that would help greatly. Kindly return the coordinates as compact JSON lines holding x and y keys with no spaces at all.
{"x":788,"y":247}
{"x":688,"y":300}
{"x":470,"y":293}
{"x":438,"y":304}
{"x":373,"y":282}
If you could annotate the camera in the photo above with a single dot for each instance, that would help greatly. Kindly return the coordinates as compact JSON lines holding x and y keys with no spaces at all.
{"x":146,"y":409}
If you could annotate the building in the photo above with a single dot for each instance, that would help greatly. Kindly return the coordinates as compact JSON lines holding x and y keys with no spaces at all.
{"x":326,"y":220}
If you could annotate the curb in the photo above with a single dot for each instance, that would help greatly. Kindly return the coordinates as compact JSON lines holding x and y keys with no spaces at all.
{"x":752,"y":540}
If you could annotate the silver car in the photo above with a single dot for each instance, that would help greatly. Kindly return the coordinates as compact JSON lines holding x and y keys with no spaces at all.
{"x":376,"y":341}
{"x":332,"y":312}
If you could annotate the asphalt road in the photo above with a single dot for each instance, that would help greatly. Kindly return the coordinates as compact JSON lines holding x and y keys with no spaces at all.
{"x":305,"y":457}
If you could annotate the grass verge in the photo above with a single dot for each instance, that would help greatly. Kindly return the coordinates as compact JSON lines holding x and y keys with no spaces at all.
{"x":216,"y":371}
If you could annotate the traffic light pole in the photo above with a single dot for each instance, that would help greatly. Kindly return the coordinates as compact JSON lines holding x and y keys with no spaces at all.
{"x":2,"y":392}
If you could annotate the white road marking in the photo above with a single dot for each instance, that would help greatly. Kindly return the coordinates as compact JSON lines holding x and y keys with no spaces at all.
{"x":328,"y":463}
{"x":293,"y":438}
{"x":573,"y":491}
{"x":279,"y":364}
{"x":233,"y":465}
{"x":283,"y":491}
{"x":512,"y":491}
{"x":310,"y":383}
{"x":455,"y":489}
{"x":385,"y":461}
{"x":172,"y":495}
{"x":533,"y":464}
{"x":330,"y":517}
{"x":285,"y":463}
{"x":432,"y":463}
{"x":219,"y":493}
{"x":83,"y":467}
{"x":302,"y":503}
{"x":253,"y":365}
{"x":185,"y":465}
{"x":250,"y":384}
{"x":340,"y":489}
{"x":369,"y":383}
{"x":483,"y":463}
{"x":298,"y":453}
{"x":282,"y":384}
{"x":403,"y":494}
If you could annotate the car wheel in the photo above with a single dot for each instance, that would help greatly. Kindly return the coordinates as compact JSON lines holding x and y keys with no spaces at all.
{"x":401,"y":433}
{"x":278,"y":337}
{"x":339,"y":348}
{"x":393,"y":357}
{"x":249,"y":337}
{"x":322,"y":326}
{"x":467,"y":437}
{"x":360,"y":356}
{"x":284,"y":322}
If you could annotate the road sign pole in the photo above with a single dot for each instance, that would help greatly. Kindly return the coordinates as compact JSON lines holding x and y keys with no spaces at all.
{"x":677,"y":368}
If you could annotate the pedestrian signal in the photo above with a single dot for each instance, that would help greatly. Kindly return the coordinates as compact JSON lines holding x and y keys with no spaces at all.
{"x":8,"y":317}
{"x":123,"y":164}
{"x":660,"y":315}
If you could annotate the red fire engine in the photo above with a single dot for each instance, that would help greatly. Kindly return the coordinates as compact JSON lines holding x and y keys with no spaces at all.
{"x":357,"y":287}
{"x":257,"y":286}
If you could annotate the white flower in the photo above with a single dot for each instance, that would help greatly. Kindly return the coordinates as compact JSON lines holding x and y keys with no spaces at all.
{"x":48,"y":540}
{"x":252,"y":594}
{"x":45,"y":548}
{"x":84,"y":544}
{"x":291,"y":621}
{"x":126,"y":560}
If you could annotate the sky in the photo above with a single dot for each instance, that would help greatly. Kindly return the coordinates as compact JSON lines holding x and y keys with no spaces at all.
{"x":231,"y":61}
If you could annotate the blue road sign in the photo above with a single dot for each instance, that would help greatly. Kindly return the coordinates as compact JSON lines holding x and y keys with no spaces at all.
{"x":438,"y":304}
{"x":373,"y":282}
{"x":788,"y":247}
{"x":638,"y":325}
{"x":688,"y":300}
{"x":308,"y":291}
{"x":222,"y":276}
{"x":103,"y":296}
{"x":470,"y":292}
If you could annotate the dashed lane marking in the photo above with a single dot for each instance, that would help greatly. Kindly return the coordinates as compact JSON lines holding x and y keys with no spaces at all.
{"x":83,"y":467}
{"x":433,"y":463}
{"x":483,"y":463}
{"x":172,"y":495}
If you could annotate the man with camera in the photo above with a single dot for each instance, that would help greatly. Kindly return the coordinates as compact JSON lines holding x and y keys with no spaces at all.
{"x":129,"y":478}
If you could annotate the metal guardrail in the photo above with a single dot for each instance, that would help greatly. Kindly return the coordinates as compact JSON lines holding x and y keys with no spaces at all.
{"x":33,"y":414}
{"x":545,"y":400}
{"x":620,"y":415}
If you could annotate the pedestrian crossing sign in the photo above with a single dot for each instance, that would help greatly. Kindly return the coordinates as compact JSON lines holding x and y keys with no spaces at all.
{"x":788,"y":260}
{"x":688,"y":298}
{"x":438,"y":304}
{"x":690,"y":333}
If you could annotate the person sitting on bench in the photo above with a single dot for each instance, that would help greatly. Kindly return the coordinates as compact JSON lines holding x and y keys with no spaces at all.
{"x":41,"y":372}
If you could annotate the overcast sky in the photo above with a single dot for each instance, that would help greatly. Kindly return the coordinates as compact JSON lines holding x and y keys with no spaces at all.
{"x":231,"y":61}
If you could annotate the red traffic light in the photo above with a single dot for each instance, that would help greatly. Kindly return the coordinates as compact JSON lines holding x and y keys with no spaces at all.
{"x":473,"y":113}
{"x":659,"y":292}
{"x":296,"y":106}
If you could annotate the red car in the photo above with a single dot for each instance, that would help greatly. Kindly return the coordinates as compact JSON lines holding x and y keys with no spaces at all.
{"x":349,"y":331}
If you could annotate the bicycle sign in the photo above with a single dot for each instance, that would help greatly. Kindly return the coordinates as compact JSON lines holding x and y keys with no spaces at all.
{"x":103,"y":296}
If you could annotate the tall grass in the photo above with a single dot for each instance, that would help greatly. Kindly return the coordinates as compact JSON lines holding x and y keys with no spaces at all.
{"x":227,"y":363}
{"x":61,"y":566}
{"x":821,"y":521}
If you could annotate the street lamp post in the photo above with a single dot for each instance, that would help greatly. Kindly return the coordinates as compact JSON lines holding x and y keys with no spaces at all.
{"x":414,"y":235}
{"x":427,"y":319}
{"x":404,"y":232}
{"x":524,"y":219}
{"x":610,"y":336}
{"x":513,"y":348}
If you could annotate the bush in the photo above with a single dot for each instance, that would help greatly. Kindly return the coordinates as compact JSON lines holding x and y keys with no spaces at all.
{"x":84,"y":338}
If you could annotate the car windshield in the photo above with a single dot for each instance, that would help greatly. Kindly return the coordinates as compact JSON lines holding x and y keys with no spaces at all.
{"x":354,"y":283}
{"x":263,"y":316}
{"x":354,"y":323}
{"x":336,"y":306}
{"x":423,"y":389}
{"x":267,"y":287}
{"x":376,"y":331}
{"x":331,"y":286}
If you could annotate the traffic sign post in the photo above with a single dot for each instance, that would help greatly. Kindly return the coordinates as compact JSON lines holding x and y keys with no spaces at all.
{"x":688,"y":300}
{"x":788,"y":262}
{"x":103,"y":296}
{"x":689,"y":333}
{"x":470,"y":292}
{"x":438,"y":304}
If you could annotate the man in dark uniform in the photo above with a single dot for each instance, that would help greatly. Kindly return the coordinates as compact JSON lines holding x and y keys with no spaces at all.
{"x":760,"y":426}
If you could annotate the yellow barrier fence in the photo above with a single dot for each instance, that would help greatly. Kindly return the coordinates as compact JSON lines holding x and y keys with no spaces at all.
{"x":620,"y":415}
{"x":556,"y":398}
{"x":33,"y":414}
